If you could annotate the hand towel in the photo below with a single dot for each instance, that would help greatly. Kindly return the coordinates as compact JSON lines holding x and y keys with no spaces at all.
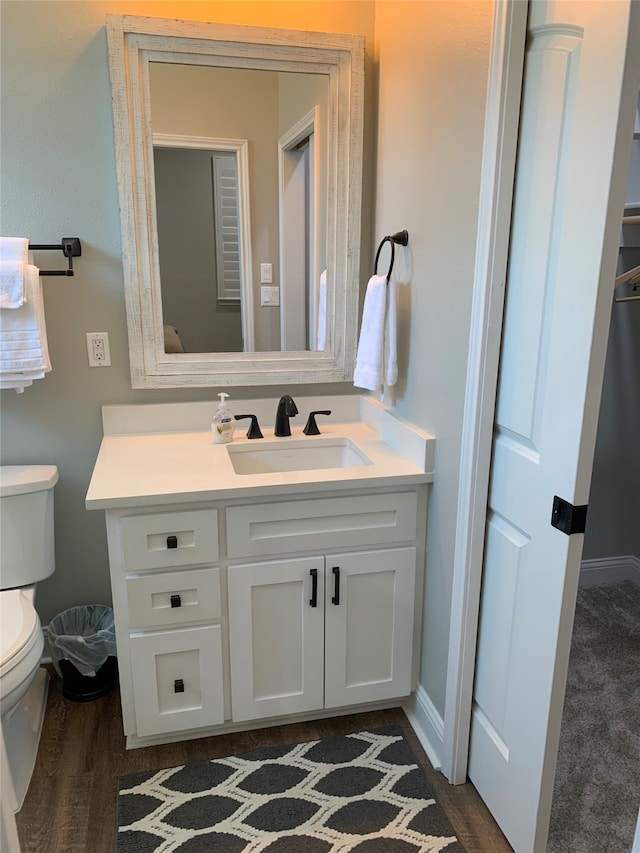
{"x":321,"y":339}
{"x":391,"y":337}
{"x":368,"y":371}
{"x":376,"y":361}
{"x":14,"y":254}
{"x":24,"y":352}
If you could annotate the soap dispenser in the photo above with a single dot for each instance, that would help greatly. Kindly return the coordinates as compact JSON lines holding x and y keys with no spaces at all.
{"x":223,"y":423}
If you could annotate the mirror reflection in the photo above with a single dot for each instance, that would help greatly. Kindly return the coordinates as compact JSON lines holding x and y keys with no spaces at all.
{"x":240,"y":176}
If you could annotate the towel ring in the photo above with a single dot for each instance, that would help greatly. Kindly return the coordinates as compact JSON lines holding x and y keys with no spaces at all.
{"x":400,"y":237}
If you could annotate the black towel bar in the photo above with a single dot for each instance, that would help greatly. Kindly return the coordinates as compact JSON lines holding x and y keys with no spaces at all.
{"x":70,"y":248}
{"x":400,"y":237}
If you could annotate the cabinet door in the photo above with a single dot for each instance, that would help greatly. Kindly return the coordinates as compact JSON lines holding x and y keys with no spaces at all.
{"x":276,"y":637}
{"x":177,"y":678}
{"x":369,"y":626}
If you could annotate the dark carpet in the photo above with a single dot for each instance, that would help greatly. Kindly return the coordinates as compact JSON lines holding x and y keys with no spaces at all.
{"x":597,"y":787}
{"x":361,"y":793}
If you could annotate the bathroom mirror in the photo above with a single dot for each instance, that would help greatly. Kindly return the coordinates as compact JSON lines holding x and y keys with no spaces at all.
{"x":271,"y":122}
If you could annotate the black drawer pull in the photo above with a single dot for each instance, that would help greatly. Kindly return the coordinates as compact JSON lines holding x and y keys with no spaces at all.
{"x":314,"y":587}
{"x":172,"y":541}
{"x":178,"y":686}
{"x":336,"y":585}
{"x":176,"y":601}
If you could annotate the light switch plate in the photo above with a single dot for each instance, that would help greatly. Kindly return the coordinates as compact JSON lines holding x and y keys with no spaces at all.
{"x":266,"y":273}
{"x":270,"y":296}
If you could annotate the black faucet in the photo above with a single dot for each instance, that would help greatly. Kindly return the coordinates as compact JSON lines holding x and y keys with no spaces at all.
{"x":286,"y":409}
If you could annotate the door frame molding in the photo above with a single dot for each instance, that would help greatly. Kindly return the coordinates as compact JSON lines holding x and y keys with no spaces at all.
{"x":502,"y":120}
{"x":306,"y":127}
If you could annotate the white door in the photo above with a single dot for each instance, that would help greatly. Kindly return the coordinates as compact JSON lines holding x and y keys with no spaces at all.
{"x":570,"y":178}
{"x":369,"y":602}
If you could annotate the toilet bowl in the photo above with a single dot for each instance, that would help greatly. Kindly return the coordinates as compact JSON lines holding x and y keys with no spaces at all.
{"x":23,"y":686}
{"x":26,"y":557}
{"x":21,"y":645}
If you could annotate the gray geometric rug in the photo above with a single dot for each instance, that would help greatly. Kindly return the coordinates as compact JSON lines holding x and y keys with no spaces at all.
{"x":358,"y":793}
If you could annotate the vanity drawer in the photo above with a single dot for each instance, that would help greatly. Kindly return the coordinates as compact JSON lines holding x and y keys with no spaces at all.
{"x":290,"y":526}
{"x":190,"y":595}
{"x":177,"y":677}
{"x":164,"y":539}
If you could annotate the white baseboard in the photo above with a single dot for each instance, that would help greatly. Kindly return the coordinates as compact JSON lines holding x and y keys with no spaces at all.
{"x":427,"y":724}
{"x":606,"y":570}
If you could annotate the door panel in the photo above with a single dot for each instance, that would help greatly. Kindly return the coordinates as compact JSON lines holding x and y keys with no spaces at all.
{"x":505,"y":549}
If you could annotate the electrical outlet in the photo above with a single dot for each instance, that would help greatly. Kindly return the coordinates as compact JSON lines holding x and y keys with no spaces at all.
{"x":98,"y":349}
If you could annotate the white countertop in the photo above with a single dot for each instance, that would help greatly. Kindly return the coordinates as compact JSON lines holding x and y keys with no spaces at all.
{"x":141,"y":468}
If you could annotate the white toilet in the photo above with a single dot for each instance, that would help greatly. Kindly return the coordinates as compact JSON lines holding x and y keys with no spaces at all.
{"x":26,"y":557}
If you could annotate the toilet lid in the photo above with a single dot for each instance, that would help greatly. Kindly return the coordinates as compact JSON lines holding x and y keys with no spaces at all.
{"x":18,"y":621}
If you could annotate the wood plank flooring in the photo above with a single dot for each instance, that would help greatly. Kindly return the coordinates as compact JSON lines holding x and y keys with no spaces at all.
{"x":71,"y":803}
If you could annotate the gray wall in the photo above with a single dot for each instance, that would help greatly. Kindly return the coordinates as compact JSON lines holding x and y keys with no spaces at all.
{"x":433,"y":66}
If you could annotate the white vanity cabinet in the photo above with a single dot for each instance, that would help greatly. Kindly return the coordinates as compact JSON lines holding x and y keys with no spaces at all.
{"x":228,"y":612}
{"x":168,"y":609}
{"x":329,"y":629}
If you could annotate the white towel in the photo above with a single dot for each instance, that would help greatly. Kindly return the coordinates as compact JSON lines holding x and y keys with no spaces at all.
{"x":14,"y":254}
{"x":376,"y":361}
{"x":24,"y":352}
{"x":12,"y":279}
{"x":321,"y":340}
{"x":14,"y":249}
{"x":391,"y":337}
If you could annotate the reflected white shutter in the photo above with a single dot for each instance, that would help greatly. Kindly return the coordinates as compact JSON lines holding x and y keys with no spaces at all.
{"x":226,"y":224}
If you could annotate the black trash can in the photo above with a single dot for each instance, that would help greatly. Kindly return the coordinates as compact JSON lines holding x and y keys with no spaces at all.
{"x":83,"y":650}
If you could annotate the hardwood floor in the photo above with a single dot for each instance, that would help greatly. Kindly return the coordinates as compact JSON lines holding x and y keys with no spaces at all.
{"x":71,"y":803}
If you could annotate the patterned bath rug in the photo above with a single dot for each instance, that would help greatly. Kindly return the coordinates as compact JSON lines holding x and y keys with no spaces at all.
{"x":358,"y":793}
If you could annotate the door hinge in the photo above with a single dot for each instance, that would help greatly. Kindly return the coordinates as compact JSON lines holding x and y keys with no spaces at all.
{"x":567,"y":517}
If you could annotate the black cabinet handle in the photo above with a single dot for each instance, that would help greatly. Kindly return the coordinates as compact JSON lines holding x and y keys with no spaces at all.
{"x":336,"y":585}
{"x":178,"y":685}
{"x":314,"y":587}
{"x":176,"y":601}
{"x":172,"y":541}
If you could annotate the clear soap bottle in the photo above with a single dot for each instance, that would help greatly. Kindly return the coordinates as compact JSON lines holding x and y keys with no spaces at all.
{"x":223,"y":423}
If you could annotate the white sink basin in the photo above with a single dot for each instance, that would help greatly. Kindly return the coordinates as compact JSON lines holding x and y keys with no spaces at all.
{"x":272,"y":457}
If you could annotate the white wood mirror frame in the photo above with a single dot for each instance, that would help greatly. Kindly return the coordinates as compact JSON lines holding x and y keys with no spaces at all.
{"x":133,"y":42}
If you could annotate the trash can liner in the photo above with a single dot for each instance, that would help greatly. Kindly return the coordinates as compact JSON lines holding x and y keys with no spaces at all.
{"x":85,"y":636}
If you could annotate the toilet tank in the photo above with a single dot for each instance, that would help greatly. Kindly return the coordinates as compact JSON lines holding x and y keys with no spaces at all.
{"x":26,"y":524}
